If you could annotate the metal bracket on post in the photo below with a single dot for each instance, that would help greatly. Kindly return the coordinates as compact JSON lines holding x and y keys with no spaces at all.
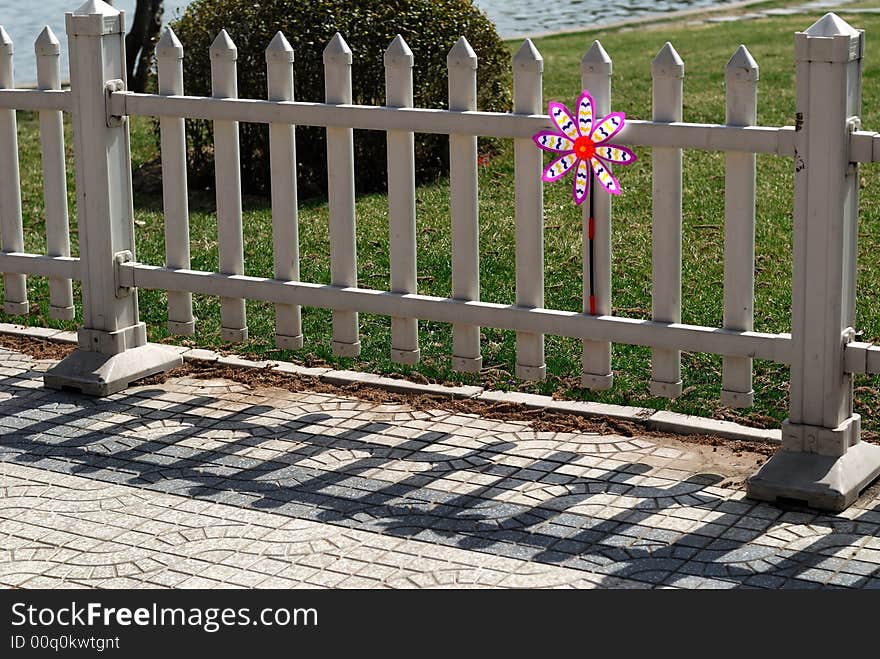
{"x":122,"y":290}
{"x":113,"y":120}
{"x":853,"y":124}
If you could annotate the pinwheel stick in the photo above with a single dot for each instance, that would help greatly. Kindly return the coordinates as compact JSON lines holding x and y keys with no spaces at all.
{"x":591,"y":234}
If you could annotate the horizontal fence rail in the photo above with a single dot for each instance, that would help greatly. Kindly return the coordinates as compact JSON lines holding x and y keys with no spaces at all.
{"x":542,"y":321}
{"x":713,"y":137}
{"x":35,"y":99}
{"x":55,"y":267}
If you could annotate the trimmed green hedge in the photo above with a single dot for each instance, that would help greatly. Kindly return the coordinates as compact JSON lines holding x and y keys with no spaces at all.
{"x":430,"y":27}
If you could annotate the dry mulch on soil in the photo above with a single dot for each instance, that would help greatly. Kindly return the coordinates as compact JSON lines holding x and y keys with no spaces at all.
{"x":734,"y":459}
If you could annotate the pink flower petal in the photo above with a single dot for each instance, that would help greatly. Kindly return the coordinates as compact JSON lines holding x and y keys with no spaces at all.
{"x":608,"y":127}
{"x":563,"y":120}
{"x":604,"y":177}
{"x":581,"y":185}
{"x":549,"y":140}
{"x":616,"y":154}
{"x":585,"y":113}
{"x":559,"y":167}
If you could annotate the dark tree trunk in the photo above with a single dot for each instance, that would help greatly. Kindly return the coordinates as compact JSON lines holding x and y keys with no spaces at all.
{"x":140,"y":42}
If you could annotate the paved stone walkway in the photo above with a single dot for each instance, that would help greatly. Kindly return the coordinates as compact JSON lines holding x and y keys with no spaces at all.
{"x":209,"y":483}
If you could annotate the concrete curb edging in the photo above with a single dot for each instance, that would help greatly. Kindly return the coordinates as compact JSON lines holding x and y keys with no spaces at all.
{"x":660,"y":420}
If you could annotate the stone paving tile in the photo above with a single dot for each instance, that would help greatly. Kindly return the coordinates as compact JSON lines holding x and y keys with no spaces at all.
{"x":207,"y":483}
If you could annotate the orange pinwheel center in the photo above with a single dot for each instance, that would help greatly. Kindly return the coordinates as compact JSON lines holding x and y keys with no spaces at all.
{"x":584,"y":148}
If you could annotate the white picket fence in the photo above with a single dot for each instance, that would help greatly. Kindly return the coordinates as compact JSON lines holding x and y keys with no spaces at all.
{"x":823,"y":461}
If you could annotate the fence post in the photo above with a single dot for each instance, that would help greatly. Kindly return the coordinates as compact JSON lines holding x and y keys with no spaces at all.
{"x":227,"y":177}
{"x":47,"y":49}
{"x":285,"y":219}
{"x":741,"y":85}
{"x":464,"y":206}
{"x":113,"y":349}
{"x":11,"y":233}
{"x":822,"y":461}
{"x":340,"y":192}
{"x":596,"y":373}
{"x":169,"y":62}
{"x":528,"y":68}
{"x":667,"y":71}
{"x":401,"y":200}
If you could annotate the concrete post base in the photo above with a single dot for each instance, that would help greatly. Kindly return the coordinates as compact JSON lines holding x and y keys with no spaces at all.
{"x":99,"y":374}
{"x":825,"y":482}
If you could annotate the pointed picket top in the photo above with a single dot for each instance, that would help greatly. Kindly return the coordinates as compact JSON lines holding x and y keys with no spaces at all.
{"x":528,"y":58}
{"x":742,"y":67}
{"x":169,"y":46}
{"x":462,"y":55}
{"x":92,"y":7}
{"x":398,"y":53}
{"x":668,"y":63}
{"x":47,"y":43}
{"x":337,"y":51}
{"x":6,"y":46}
{"x":223,"y":47}
{"x":831,"y":25}
{"x":279,"y":49}
{"x":596,"y":60}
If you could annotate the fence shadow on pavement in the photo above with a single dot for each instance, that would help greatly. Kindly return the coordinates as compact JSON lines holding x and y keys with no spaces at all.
{"x":366,"y":475}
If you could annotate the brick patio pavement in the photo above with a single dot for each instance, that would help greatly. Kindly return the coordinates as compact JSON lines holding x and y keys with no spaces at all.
{"x":209,"y":483}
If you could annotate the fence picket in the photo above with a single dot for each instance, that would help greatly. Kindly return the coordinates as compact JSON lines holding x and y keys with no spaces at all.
{"x":285,"y":220}
{"x":596,"y":357}
{"x":169,"y":62}
{"x":464,"y":206}
{"x":739,"y":226}
{"x":47,"y":49}
{"x":340,"y":183}
{"x":11,"y":233}
{"x":667,"y":71}
{"x":227,"y":172}
{"x":401,"y":200}
{"x":528,"y":66}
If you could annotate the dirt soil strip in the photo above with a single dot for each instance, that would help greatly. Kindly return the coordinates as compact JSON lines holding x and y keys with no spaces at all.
{"x":538,"y":419}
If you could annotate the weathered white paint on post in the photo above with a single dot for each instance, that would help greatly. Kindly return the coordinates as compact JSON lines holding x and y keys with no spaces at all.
{"x":528,"y":67}
{"x":340,"y":182}
{"x":227,"y":173}
{"x":464,"y":206}
{"x":401,"y":200}
{"x":596,"y":371}
{"x":741,"y":83}
{"x":285,"y":221}
{"x":113,"y":349}
{"x":11,"y":233}
{"x":169,"y":61}
{"x":47,"y":49}
{"x":103,"y":179}
{"x":823,"y":461}
{"x":667,"y":71}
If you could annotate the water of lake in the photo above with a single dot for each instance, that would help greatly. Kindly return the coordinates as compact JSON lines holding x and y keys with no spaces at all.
{"x":24,"y":21}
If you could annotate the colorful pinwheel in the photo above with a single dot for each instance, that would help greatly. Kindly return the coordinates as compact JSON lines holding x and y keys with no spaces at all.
{"x":584,"y":144}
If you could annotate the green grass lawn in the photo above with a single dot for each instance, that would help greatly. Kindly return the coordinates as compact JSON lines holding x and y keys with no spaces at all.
{"x":705,"y":50}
